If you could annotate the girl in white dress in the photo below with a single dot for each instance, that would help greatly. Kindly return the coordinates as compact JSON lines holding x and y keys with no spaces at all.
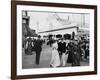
{"x":55,"y":59}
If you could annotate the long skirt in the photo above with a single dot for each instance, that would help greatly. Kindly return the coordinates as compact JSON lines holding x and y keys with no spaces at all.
{"x":76,"y":59}
{"x":64,"y":59}
{"x":70,"y":60}
{"x":55,"y":59}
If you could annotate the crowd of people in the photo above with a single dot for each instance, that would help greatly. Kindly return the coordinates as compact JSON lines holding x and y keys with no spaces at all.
{"x":31,"y":45}
{"x":69,"y":51}
{"x":64,"y":50}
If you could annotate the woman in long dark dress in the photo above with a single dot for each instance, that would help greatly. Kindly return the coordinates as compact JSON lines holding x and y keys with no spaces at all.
{"x":76,"y":54}
{"x":76,"y":57}
{"x":70,"y":52}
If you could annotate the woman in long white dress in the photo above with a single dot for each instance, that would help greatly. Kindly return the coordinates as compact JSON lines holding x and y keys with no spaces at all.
{"x":55,"y":59}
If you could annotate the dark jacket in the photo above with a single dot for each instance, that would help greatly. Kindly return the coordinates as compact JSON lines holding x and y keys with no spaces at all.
{"x":38,"y":45}
{"x":62,"y":47}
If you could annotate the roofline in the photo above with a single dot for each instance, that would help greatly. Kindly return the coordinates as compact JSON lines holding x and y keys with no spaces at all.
{"x":58,"y":29}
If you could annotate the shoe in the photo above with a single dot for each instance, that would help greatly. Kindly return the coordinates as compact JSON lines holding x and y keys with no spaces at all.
{"x":37,"y":63}
{"x":50,"y":65}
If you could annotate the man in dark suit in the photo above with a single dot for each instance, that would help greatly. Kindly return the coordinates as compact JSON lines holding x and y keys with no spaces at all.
{"x":61,"y":47}
{"x":62,"y":51}
{"x":38,"y":49}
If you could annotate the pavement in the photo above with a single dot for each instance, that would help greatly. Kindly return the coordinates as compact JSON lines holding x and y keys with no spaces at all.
{"x":28,"y":61}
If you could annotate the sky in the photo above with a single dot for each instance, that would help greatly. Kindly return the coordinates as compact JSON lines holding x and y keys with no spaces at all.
{"x":43,"y":21}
